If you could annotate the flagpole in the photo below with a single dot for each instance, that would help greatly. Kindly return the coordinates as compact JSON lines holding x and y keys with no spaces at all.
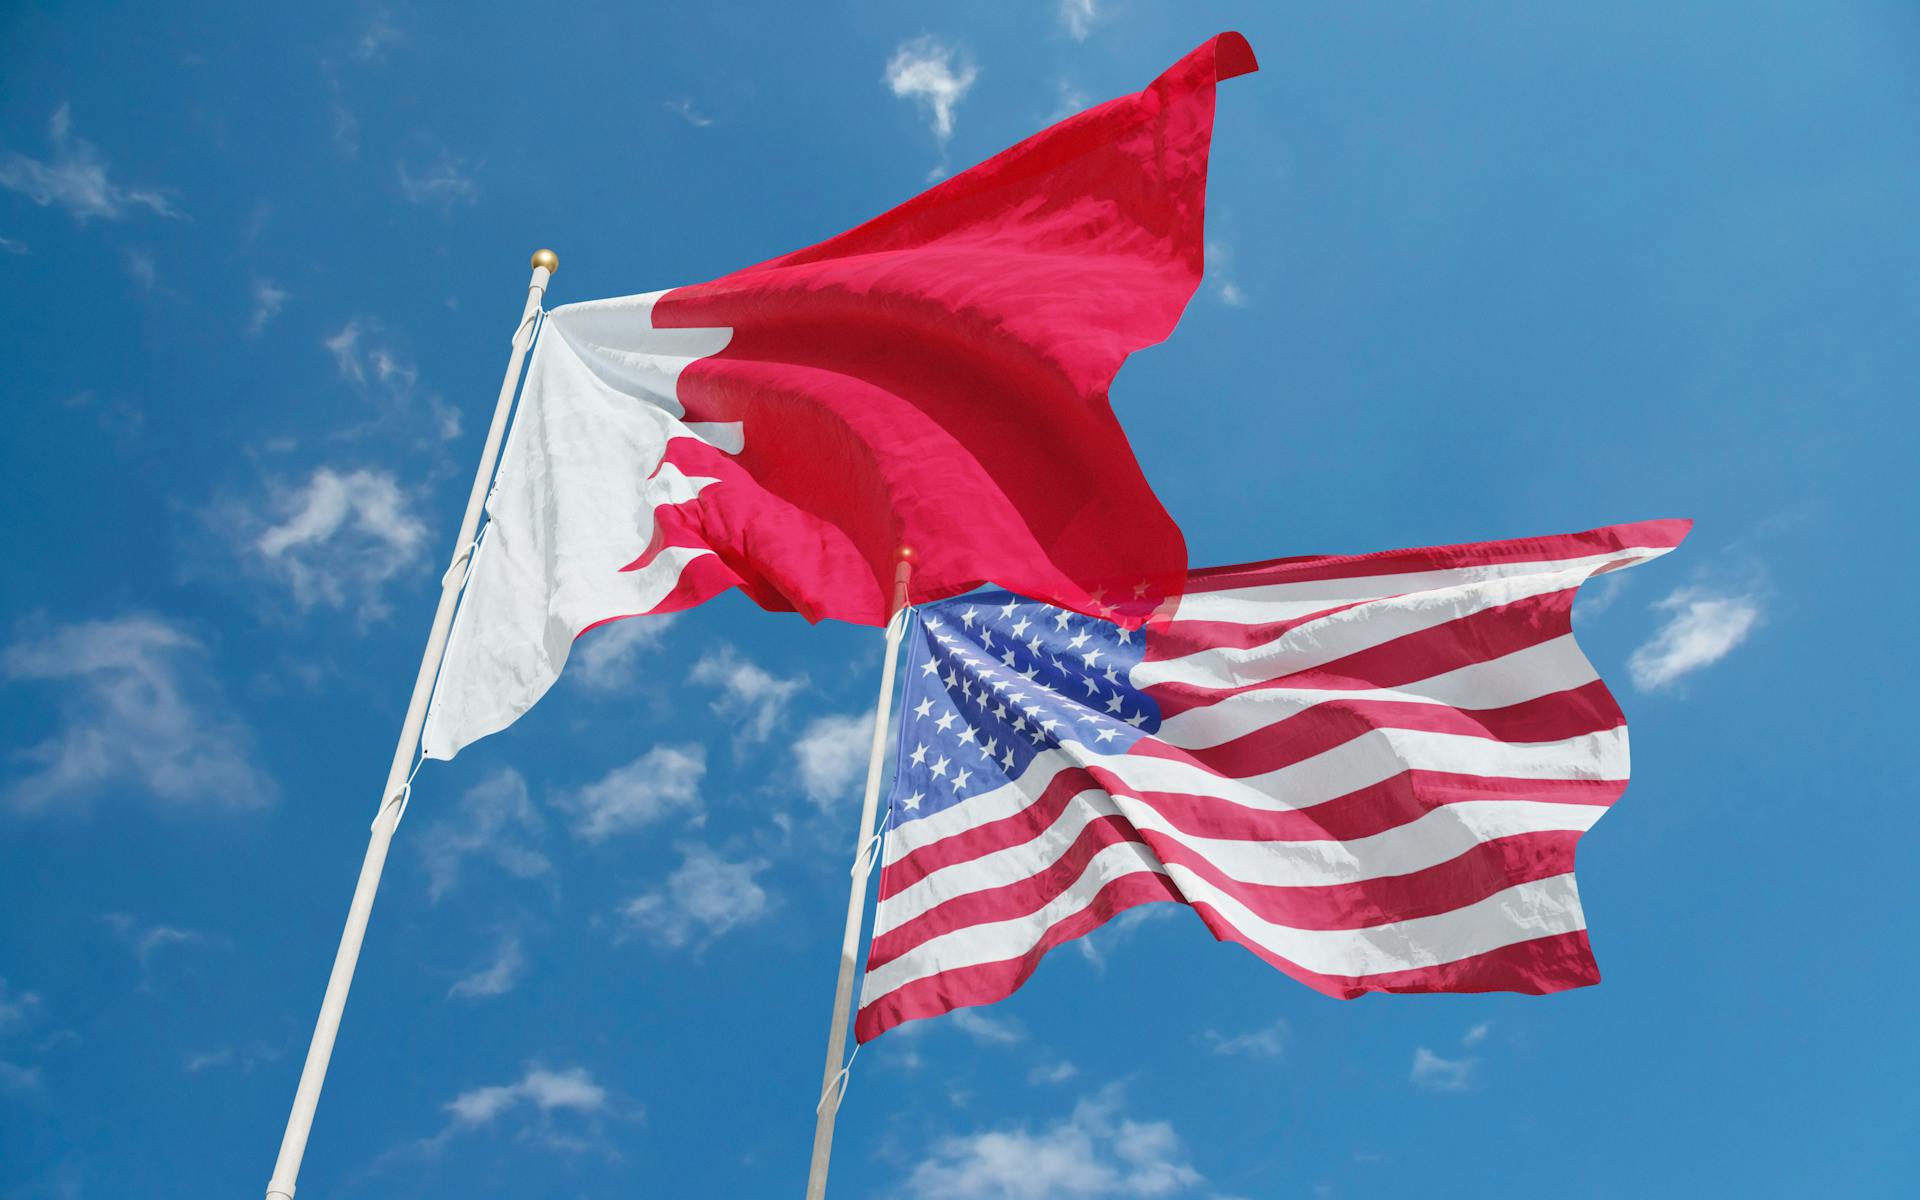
{"x":833,"y":1085}
{"x":393,"y":802}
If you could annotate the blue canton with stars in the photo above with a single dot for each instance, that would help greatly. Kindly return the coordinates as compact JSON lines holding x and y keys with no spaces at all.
{"x":995,"y":679}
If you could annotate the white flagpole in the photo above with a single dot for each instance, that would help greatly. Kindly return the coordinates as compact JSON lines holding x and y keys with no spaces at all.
{"x":834,"y":1084}
{"x":306,"y":1098}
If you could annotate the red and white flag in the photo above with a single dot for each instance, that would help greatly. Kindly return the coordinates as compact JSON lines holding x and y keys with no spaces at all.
{"x":1370,"y":771}
{"x":936,"y":378}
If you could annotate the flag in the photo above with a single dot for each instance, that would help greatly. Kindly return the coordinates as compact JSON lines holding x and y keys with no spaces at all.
{"x":935,"y":378}
{"x":1370,"y":771}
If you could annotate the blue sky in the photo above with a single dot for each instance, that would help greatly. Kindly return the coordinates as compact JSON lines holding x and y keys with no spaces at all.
{"x":1478,"y":271}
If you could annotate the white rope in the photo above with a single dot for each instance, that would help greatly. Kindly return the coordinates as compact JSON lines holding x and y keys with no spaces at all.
{"x":836,"y":1088}
{"x":461,"y":561}
{"x":400,"y":797}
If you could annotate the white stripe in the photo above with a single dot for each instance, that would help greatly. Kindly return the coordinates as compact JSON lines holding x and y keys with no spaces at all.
{"x":1556,"y":665}
{"x":1349,"y":631}
{"x":1529,"y":910}
{"x":1373,"y":756}
{"x":1262,"y":603}
{"x":1433,"y":838}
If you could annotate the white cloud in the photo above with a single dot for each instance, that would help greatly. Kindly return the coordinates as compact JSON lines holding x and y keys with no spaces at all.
{"x":16,"y":1008}
{"x":443,"y":184}
{"x":11,"y":246}
{"x":1437,"y":1074}
{"x":76,"y":178}
{"x":572,"y":1090}
{"x":1059,"y":1072}
{"x":367,"y":357}
{"x":1705,"y":627}
{"x":498,"y":977}
{"x":495,"y":821}
{"x":705,"y":897}
{"x":345,"y":348}
{"x":1220,"y":274}
{"x":1078,"y":16}
{"x":933,"y":73}
{"x":340,"y":537}
{"x":226,"y":1056}
{"x":663,"y":782}
{"x":137,"y":706}
{"x":984,"y":1030}
{"x":688,"y":113}
{"x":1477,"y":1034}
{"x":831,"y":754}
{"x":268,"y":299}
{"x":380,"y":35}
{"x":1269,"y":1042}
{"x":1095,"y":1152}
{"x":751,"y":697}
{"x":16,"y":1078}
{"x":1095,"y":947}
{"x":142,"y":268}
{"x":604,"y":658}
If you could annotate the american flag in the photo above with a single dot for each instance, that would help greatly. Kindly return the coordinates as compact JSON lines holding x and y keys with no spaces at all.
{"x":1371,"y":771}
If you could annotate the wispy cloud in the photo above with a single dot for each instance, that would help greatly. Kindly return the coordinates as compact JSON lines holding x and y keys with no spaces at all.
{"x":268,"y":299}
{"x":1078,"y":16}
{"x":664,"y":782}
{"x":227,"y":1057}
{"x":143,"y":270}
{"x":1095,"y":946}
{"x":136,"y":706}
{"x":685,"y":110}
{"x":704,"y":898}
{"x":1220,"y":274}
{"x":498,"y":977}
{"x":1704,"y":626}
{"x":1437,"y":1074}
{"x":368,"y":358}
{"x":605,"y":659}
{"x":495,"y":821}
{"x":983,"y":1029}
{"x":339,"y":538}
{"x":1094,"y":1152}
{"x":831,"y":756}
{"x":147,"y":941}
{"x":751,"y":697}
{"x":1269,"y":1042}
{"x":934,"y":74}
{"x":445,"y":182}
{"x":1052,"y":1073}
{"x":11,"y":246}
{"x":561,"y":1109}
{"x":379,"y":36}
{"x":17,"y":1009}
{"x":76,"y":178}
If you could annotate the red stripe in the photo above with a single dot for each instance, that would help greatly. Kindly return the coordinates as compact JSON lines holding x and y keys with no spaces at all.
{"x":1538,"y":966}
{"x":1480,"y":871}
{"x":1662,"y":534}
{"x":1474,"y":638}
{"x":1556,"y":716}
{"x":1360,"y":813}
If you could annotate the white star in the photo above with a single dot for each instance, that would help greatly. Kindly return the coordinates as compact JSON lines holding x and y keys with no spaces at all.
{"x":1061,"y":618}
{"x":1021,"y":626}
{"x":1006,"y":613}
{"x":933,"y":622}
{"x":1113,"y":705}
{"x":1111,"y":676}
{"x":966,"y":738}
{"x":912,"y":803}
{"x":1007,"y":658}
{"x":949,"y":679}
{"x":939,"y":765}
{"x":1092,"y":656}
{"x":919,"y":754}
{"x":1078,"y":640}
{"x":1019,"y":723}
{"x":991,"y":748}
{"x":1029,"y":673}
{"x":923,"y":708}
{"x":960,"y":779}
{"x":946,"y":719}
{"x":968,"y":616}
{"x":1106,"y":735}
{"x":1049,"y":724}
{"x":1126,"y":637}
{"x":930,"y":667}
{"x":1016,"y":697}
{"x":1037,"y":737}
{"x":1001,"y":685}
{"x":1135,"y":721}
{"x":1000,"y":711}
{"x":1007,"y":759}
{"x":1093,"y":689}
{"x":1140,"y":589}
{"x":1033,"y":647}
{"x":943,"y":639}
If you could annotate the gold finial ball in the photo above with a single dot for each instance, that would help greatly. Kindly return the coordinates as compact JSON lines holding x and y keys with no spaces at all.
{"x":547,"y":259}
